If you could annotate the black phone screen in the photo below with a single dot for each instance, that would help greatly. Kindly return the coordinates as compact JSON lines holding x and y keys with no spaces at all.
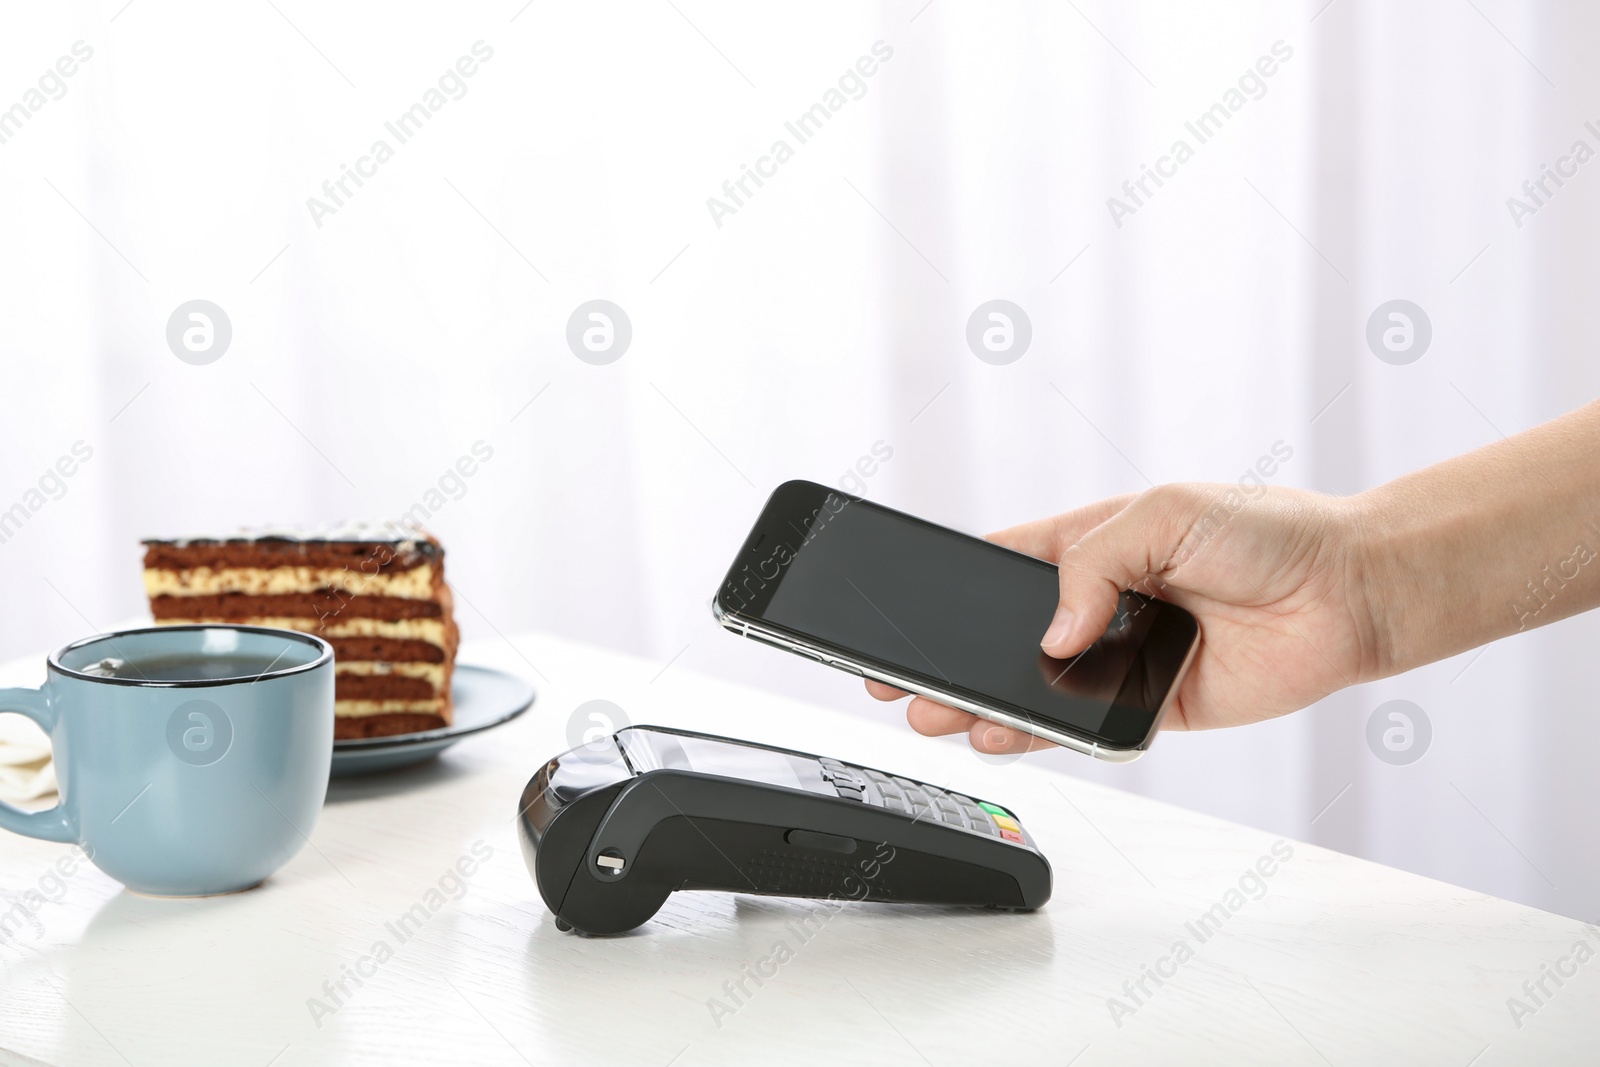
{"x":952,"y":611}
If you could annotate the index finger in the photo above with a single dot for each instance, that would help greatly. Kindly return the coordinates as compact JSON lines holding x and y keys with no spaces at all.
{"x":881,"y":691}
{"x":1046,"y":539}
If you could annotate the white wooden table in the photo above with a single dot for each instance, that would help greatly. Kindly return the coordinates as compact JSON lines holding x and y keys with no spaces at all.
{"x":1332,"y":960}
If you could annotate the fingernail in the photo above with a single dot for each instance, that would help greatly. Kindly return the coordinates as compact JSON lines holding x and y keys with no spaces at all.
{"x":1060,"y":627}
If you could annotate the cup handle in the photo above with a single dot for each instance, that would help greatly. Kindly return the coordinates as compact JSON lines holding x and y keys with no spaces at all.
{"x":50,"y":824}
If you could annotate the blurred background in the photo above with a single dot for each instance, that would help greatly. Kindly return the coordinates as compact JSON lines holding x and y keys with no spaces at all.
{"x":1338,"y":156}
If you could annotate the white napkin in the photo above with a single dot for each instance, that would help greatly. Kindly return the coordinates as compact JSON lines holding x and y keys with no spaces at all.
{"x":26,"y":772}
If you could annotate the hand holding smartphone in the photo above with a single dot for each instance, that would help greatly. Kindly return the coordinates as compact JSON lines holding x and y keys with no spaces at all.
{"x":875,"y":592}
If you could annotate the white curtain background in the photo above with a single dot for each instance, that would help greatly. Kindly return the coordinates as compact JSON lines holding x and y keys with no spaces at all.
{"x":826,"y":315}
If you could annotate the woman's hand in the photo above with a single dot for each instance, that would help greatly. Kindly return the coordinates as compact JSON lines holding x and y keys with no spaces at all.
{"x":1276,"y":577}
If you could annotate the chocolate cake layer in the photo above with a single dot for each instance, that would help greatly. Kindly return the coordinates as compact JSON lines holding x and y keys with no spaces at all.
{"x":385,"y":649}
{"x":349,"y":728}
{"x":381,"y":687}
{"x":385,"y":546}
{"x":357,"y":555}
{"x":325,"y":605}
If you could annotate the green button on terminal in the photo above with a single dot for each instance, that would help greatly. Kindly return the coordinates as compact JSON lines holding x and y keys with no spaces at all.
{"x":993,"y":809}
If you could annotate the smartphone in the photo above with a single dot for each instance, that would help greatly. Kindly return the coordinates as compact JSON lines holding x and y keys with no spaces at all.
{"x":876,"y":592}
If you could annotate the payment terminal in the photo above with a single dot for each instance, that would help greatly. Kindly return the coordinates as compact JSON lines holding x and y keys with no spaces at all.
{"x":610,"y":829}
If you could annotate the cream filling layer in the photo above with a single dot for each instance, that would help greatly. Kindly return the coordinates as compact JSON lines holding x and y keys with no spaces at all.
{"x":433,"y":672}
{"x":429,"y":630}
{"x":355,"y":709}
{"x":414,"y":584}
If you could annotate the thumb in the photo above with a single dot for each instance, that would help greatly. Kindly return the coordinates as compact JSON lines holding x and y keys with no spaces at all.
{"x":1121,"y":553}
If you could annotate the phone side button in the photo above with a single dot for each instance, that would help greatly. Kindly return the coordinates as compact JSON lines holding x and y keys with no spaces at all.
{"x":845,"y":665}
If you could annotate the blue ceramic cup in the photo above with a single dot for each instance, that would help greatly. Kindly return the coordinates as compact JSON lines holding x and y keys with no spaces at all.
{"x":190,"y":760}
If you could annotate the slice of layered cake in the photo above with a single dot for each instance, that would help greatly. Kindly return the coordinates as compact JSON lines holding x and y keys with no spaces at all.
{"x":376,"y":593}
